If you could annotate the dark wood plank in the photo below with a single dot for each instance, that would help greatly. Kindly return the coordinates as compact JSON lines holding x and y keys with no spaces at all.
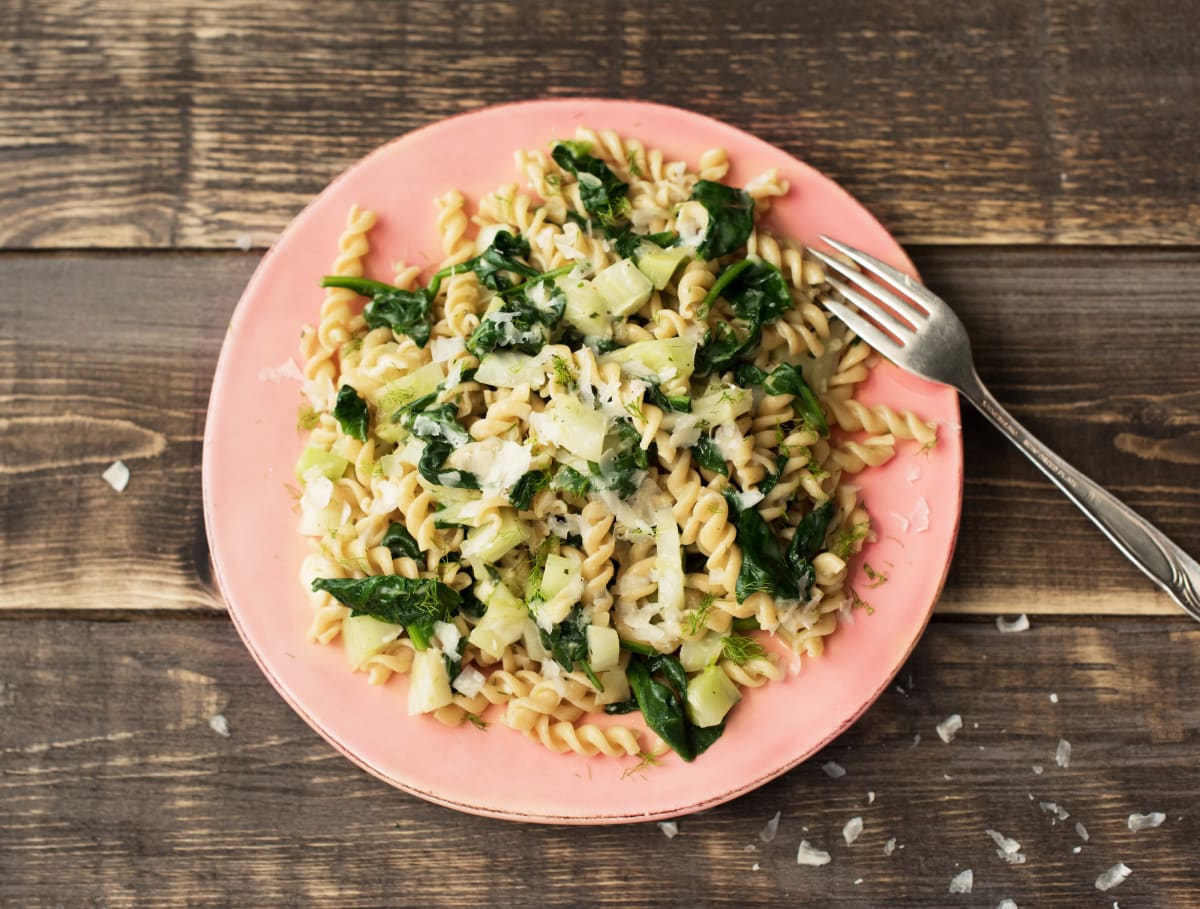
{"x":194,"y":123}
{"x":120,"y":368}
{"x":117,"y":792}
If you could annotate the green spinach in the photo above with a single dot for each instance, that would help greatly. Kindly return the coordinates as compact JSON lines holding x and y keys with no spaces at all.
{"x":763,"y":565}
{"x":527,"y":487}
{"x":807,"y":541}
{"x":659,"y":686}
{"x":438,"y":427}
{"x":603,"y":193}
{"x":406,"y":312}
{"x":786,"y":379}
{"x":350,"y":411}
{"x":758,"y":294}
{"x":677,"y":403}
{"x":415,"y":603}
{"x":571,"y":481}
{"x":708,"y":456}
{"x":567,"y":643}
{"x":400,"y":542}
{"x":730,"y":218}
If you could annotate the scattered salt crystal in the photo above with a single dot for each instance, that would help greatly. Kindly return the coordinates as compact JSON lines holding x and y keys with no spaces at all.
{"x":852,"y":830}
{"x":670,"y":829}
{"x":916,"y":741}
{"x":1060,"y":813}
{"x":1138,"y":822}
{"x":920,"y":516}
{"x":1037,"y":768}
{"x":833,"y":770}
{"x":1077,"y":849}
{"x":914,"y":474}
{"x":750,"y":848}
{"x":1113,"y":876}
{"x":947,"y":776}
{"x":811,"y":856}
{"x":890,"y":846}
{"x":772,"y":827}
{"x":219,"y":724}
{"x":870,"y":798}
{"x":949,"y":727}
{"x":117,"y":476}
{"x":754,"y":867}
{"x":1082,"y":831}
{"x":243,"y":242}
{"x":1062,"y":756}
{"x":1012,"y":626}
{"x":1007,"y":904}
{"x":857,"y":881}
{"x":285,"y":370}
{"x":1007,"y":848}
{"x":902,"y":691}
{"x":901,"y":520}
{"x":963,"y":882}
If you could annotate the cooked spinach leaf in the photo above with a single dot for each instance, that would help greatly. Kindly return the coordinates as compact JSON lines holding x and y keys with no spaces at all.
{"x":730,"y":218}
{"x":406,"y":312}
{"x":808,"y":540}
{"x":527,"y":487}
{"x":350,"y":411}
{"x":520,"y":323}
{"x":415,"y":603}
{"x":567,"y":643}
{"x":770,"y":482}
{"x":603,"y":193}
{"x":758,"y":294}
{"x":400,"y":542}
{"x":438,"y":427}
{"x":786,"y":379}
{"x":708,"y":456}
{"x":571,"y":481}
{"x":502,"y":256}
{"x":677,"y":403}
{"x":763,"y":565}
{"x":659,"y":685}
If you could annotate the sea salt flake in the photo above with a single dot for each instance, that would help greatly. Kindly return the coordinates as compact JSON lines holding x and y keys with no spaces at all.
{"x":670,"y":829}
{"x":833,"y":770}
{"x":1138,"y":822}
{"x":1007,"y":904}
{"x":244,"y":242}
{"x":1062,"y":756}
{"x":750,"y":848}
{"x":890,"y":846}
{"x":1113,"y":877}
{"x":117,"y":476}
{"x":870,"y":798}
{"x":857,"y":881}
{"x":811,"y":856}
{"x":285,"y":370}
{"x":1082,"y":831}
{"x":914,"y":474}
{"x":1060,"y":813}
{"x":916,"y":741}
{"x":901,"y":520}
{"x":754,"y":867}
{"x":1012,"y":626}
{"x":920,"y":516}
{"x":1007,"y":848}
{"x":218,"y":724}
{"x":1037,"y":768}
{"x":772,"y":827}
{"x":852,"y":830}
{"x":963,"y":882}
{"x":1053,"y":698}
{"x":1077,"y":849}
{"x":949,"y":727}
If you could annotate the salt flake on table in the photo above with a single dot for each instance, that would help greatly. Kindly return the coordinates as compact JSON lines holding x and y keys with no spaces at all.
{"x":218,"y":724}
{"x":811,"y":856}
{"x":772,"y":827}
{"x":1082,"y":831}
{"x":963,"y":882}
{"x":244,"y":242}
{"x":754,"y":867}
{"x":890,"y":846}
{"x":1113,"y":877}
{"x":1012,"y":626}
{"x":852,"y":830}
{"x":670,"y":829}
{"x":1037,"y":768}
{"x":870,"y":798}
{"x":1007,"y":848}
{"x":833,"y":770}
{"x":857,"y":881}
{"x":1060,"y":813}
{"x":1007,"y":904}
{"x":949,"y":727}
{"x":1062,"y":756}
{"x":1138,"y":822}
{"x":117,"y":476}
{"x":1053,"y":698}
{"x":285,"y":370}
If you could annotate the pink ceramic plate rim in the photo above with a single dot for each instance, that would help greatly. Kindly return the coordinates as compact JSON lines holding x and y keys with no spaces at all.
{"x":251,"y":443}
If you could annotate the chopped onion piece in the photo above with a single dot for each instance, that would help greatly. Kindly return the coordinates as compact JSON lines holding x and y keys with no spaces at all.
{"x":833,"y":770}
{"x":949,"y":727}
{"x":117,"y":476}
{"x":670,"y":829}
{"x":219,"y":724}
{"x":1011,"y":626}
{"x":811,"y":856}
{"x":1138,"y":822}
{"x":772,"y":827}
{"x":852,"y":830}
{"x":1062,"y":756}
{"x":963,"y":882}
{"x":1113,"y":876}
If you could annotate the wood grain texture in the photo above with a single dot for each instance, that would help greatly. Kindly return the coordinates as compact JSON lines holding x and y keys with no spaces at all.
{"x":190,"y":124}
{"x":118,"y":793}
{"x":120,"y":367}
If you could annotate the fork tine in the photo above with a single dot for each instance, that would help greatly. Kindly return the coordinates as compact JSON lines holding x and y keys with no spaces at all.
{"x":869,"y":307}
{"x":898,"y":279}
{"x":877,"y":338}
{"x":898,"y":306}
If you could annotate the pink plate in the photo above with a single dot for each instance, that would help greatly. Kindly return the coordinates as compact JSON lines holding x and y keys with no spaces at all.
{"x":251,"y":444}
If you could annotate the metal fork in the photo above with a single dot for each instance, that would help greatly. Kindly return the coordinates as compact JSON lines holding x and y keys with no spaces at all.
{"x":919,"y":332}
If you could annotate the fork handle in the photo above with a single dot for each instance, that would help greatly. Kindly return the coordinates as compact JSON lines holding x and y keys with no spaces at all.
{"x":1144,"y":544}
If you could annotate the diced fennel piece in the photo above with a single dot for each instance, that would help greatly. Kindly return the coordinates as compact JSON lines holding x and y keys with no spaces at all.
{"x":459,"y":513}
{"x":363,"y":636}
{"x":508,"y":369}
{"x":723,"y":403}
{"x":604,"y":648}
{"x":569,"y":423}
{"x":668,"y":562}
{"x":503,"y":621}
{"x":659,"y":264}
{"x":494,"y":539}
{"x":559,"y":572}
{"x":616,"y":687}
{"x":702,"y":652}
{"x":625,"y":289}
{"x":660,"y":360}
{"x":532,"y":640}
{"x":326,"y":463}
{"x":710,"y":695}
{"x":428,"y":682}
{"x":401,"y":392}
{"x":585,"y":309}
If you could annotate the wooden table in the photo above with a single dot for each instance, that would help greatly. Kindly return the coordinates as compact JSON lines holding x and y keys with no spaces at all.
{"x":1040,"y":162}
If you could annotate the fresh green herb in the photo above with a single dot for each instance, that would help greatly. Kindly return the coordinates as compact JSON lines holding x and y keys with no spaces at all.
{"x":415,"y":603}
{"x":567,"y":643}
{"x":678,"y":403}
{"x":878,"y":578}
{"x":708,"y":456}
{"x":604,"y":194}
{"x":437,"y":425}
{"x":631,"y":162}
{"x":634,"y":409}
{"x":659,"y":684}
{"x":307,"y":418}
{"x":843,"y":545}
{"x":533,"y":583}
{"x":740,"y":649}
{"x":646,"y":760}
{"x":730,"y":218}
{"x":400,"y":542}
{"x":527,"y":487}
{"x":563,"y":374}
{"x":857,"y":602}
{"x":350,"y":411}
{"x":571,"y":481}
{"x":477,"y":721}
{"x":406,"y":312}
{"x":694,"y":620}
